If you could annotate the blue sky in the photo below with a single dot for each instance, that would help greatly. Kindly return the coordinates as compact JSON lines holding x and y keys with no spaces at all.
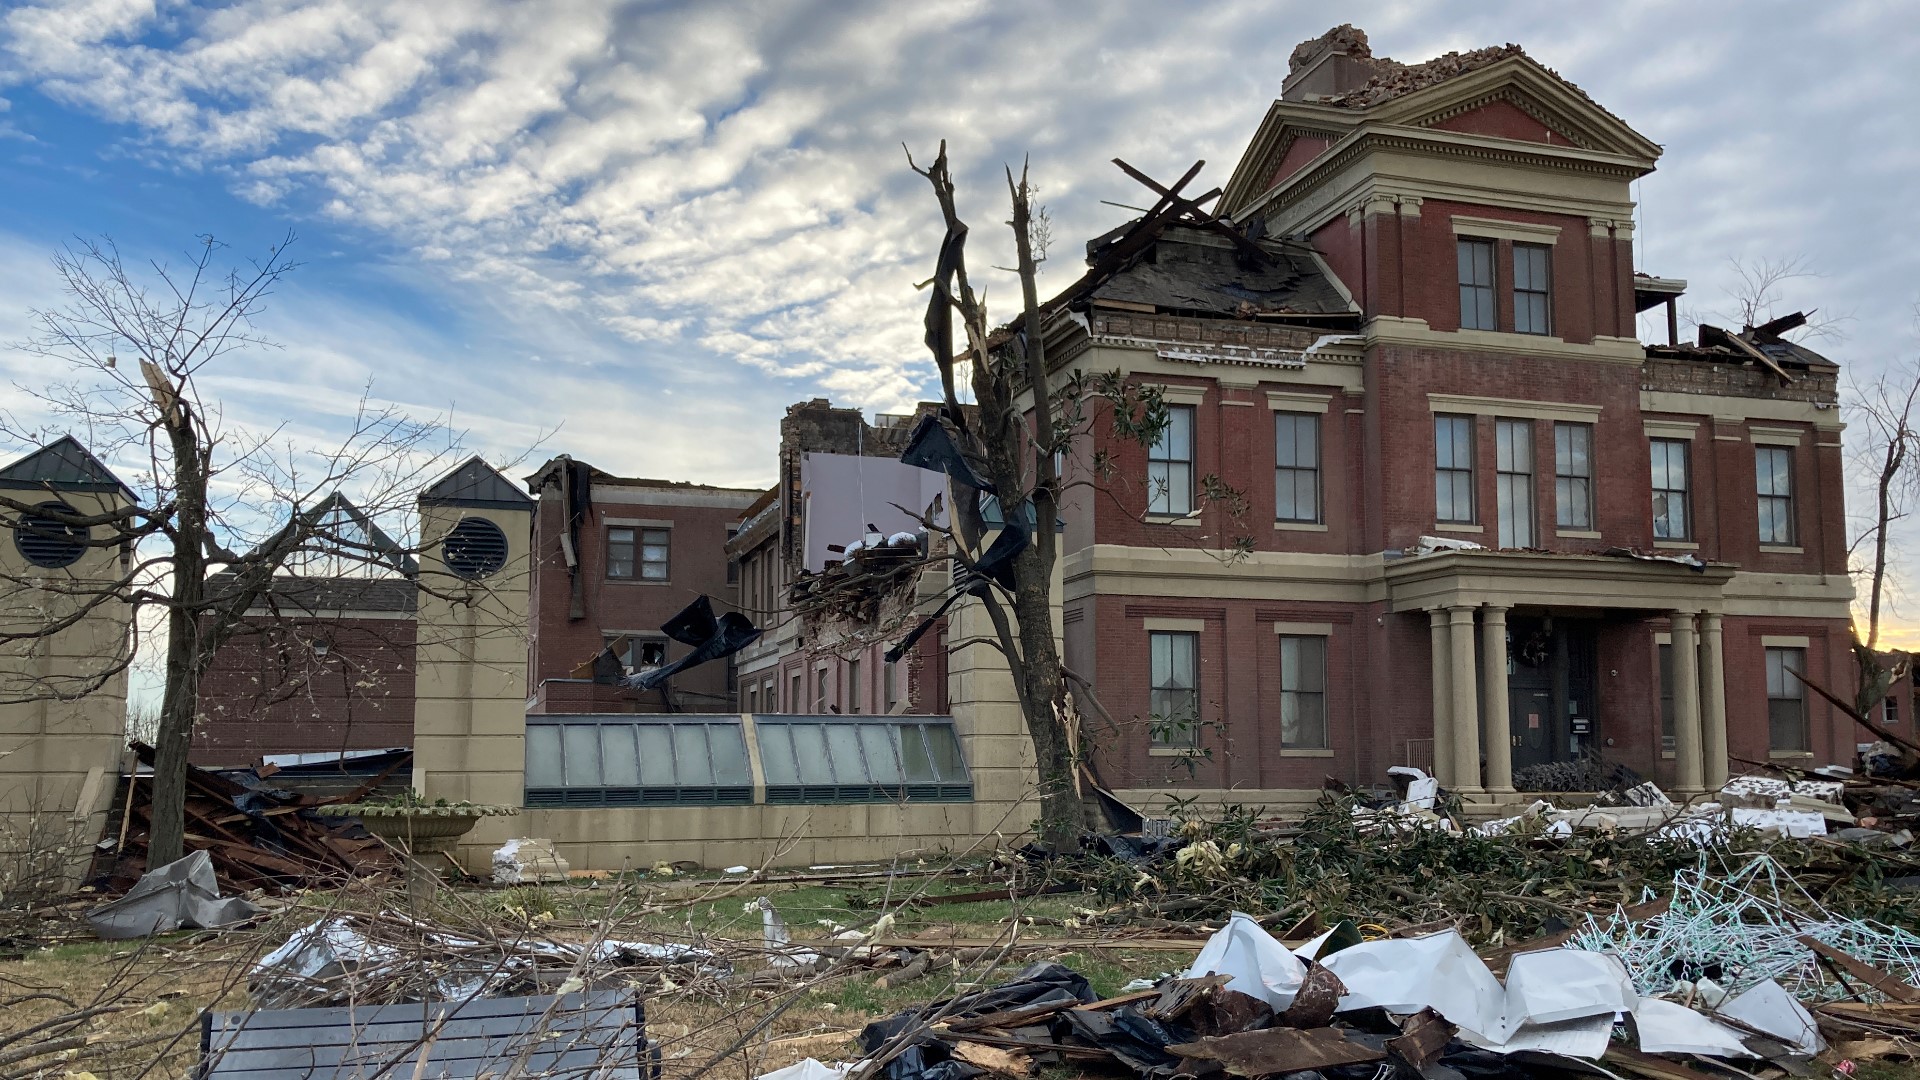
{"x":653,"y":226}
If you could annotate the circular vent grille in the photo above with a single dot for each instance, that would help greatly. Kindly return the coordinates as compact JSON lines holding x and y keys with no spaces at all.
{"x":49,"y":543}
{"x":475,"y":548}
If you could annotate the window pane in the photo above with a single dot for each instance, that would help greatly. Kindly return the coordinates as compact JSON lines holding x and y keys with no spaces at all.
{"x":877,"y":741}
{"x":619,"y":756}
{"x":729,"y":745}
{"x":582,"y":747}
{"x":810,"y":750}
{"x":915,"y":760}
{"x":1313,"y":664}
{"x":619,"y":552}
{"x":945,"y":748}
{"x":843,"y":751}
{"x":692,"y":764}
{"x":776,"y":754}
{"x":543,"y":756}
{"x":656,"y":755}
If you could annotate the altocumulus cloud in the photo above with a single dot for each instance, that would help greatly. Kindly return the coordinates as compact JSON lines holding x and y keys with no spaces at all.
{"x":718,"y":188}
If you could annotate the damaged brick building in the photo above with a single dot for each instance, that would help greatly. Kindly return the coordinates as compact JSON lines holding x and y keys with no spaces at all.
{"x":1486,"y":530}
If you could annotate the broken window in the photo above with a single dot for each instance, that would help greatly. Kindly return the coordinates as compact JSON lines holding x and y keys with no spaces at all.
{"x":653,"y":554}
{"x":1303,"y":692}
{"x":1170,"y":465}
{"x":1453,"y":469}
{"x":1174,"y":700}
{"x":1786,"y":700}
{"x":620,"y":553}
{"x":1476,"y":285}
{"x":590,"y":761}
{"x":1890,"y":710}
{"x":847,"y":760}
{"x":1296,"y":474}
{"x":1773,"y":472}
{"x":1513,"y":481}
{"x":1670,"y":489}
{"x":1532,"y":289}
{"x":1573,"y":475}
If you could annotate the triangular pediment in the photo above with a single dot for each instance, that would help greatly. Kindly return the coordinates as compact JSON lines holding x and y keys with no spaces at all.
{"x":62,"y":465}
{"x":1519,"y":99}
{"x":476,"y":483}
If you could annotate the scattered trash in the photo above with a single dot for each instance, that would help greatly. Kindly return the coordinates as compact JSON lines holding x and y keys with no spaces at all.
{"x":183,"y":893}
{"x":527,"y":861}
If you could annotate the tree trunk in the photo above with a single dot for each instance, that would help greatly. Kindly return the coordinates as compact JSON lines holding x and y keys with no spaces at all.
{"x":179,"y":706}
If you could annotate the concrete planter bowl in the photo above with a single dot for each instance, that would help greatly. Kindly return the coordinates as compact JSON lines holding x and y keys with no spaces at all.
{"x":419,"y":830}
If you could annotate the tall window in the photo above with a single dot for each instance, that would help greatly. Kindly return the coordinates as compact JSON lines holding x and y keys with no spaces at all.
{"x":1573,"y":475}
{"x":1175,"y":697}
{"x":793,"y":694}
{"x":1513,"y":481}
{"x":733,"y":561}
{"x":1170,"y":465}
{"x":1786,"y":700}
{"x":890,"y":680}
{"x":620,"y":545}
{"x":1890,"y":710}
{"x":1296,"y":474}
{"x":1453,"y":468}
{"x":653,"y":554}
{"x":1670,"y":489}
{"x":1303,"y":692}
{"x":1773,"y":473}
{"x":1476,"y":285}
{"x":1666,"y":698}
{"x":854,"y":697}
{"x":1532,"y":289}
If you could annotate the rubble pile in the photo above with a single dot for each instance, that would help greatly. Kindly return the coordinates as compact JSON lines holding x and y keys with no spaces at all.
{"x":257,"y":836}
{"x":1410,"y":862}
{"x":855,"y":588}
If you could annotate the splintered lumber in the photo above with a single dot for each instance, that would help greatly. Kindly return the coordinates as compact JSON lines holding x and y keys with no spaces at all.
{"x":994,"y":1059}
{"x":1894,"y":988}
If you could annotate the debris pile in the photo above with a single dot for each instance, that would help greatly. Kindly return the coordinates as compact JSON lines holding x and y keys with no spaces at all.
{"x":855,"y":588}
{"x":257,"y":837}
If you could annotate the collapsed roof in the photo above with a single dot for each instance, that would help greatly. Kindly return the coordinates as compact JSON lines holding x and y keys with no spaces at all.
{"x":1194,"y":272}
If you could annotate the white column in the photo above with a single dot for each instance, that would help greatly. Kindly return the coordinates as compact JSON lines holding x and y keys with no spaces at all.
{"x":1498,"y":734}
{"x":1713,"y":702}
{"x":1466,"y":700}
{"x":1688,"y":775}
{"x":1442,"y":699}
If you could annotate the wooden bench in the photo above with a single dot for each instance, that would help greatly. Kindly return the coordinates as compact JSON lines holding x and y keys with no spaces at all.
{"x":596,"y":1035}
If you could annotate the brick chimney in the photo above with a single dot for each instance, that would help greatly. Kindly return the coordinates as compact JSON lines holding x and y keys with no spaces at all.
{"x":1330,"y":65}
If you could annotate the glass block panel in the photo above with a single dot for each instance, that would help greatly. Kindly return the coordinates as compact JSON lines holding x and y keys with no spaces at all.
{"x":693,"y":765}
{"x":915,"y":761}
{"x":729,"y":745}
{"x":945,"y":749}
{"x":810,"y":751}
{"x":776,"y":754}
{"x":843,"y":751}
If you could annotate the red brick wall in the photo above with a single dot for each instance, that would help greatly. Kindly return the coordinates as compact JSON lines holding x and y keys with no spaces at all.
{"x":1502,"y":120}
{"x":1304,"y":150}
{"x":697,"y":563}
{"x":267,"y":693}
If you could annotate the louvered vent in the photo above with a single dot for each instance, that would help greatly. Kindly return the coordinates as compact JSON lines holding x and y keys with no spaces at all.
{"x":475,"y":548}
{"x":49,"y":543}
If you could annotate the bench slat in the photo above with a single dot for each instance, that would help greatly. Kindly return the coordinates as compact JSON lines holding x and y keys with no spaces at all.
{"x":404,"y":1032}
{"x":374,"y":1014}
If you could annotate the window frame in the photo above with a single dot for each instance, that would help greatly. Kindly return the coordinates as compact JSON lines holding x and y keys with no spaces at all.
{"x":1572,"y":489}
{"x":854,"y":696}
{"x":1454,"y":473}
{"x":1539,"y":293}
{"x":717,"y":786}
{"x":641,"y":562}
{"x":631,"y":545}
{"x":1658,"y":448}
{"x":1289,"y":475}
{"x":850,"y":774}
{"x":1782,"y":689}
{"x":1514,"y":484}
{"x":1483,"y":313}
{"x":1298,"y":696}
{"x":1779,"y":503}
{"x":1161,"y":490}
{"x":1164,"y":731}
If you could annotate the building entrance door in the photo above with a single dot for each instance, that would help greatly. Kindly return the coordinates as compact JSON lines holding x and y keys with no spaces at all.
{"x":1550,"y":688}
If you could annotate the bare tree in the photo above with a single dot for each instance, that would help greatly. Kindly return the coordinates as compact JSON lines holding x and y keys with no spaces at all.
{"x":1886,"y":447}
{"x":221,"y":508}
{"x":1025,"y":420}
